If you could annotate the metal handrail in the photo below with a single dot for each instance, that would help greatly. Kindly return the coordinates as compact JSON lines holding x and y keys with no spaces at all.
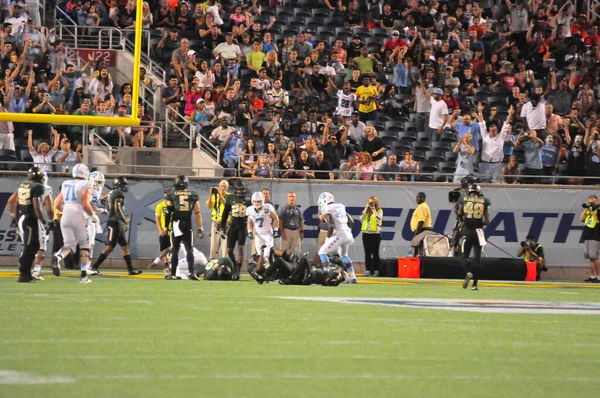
{"x":202,"y":143}
{"x":151,"y":66}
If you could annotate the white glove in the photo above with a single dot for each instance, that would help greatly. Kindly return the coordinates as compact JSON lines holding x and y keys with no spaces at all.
{"x":95,"y":218}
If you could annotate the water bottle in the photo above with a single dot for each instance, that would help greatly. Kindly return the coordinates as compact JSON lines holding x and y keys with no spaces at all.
{"x":384,"y":252}
{"x":411,"y":252}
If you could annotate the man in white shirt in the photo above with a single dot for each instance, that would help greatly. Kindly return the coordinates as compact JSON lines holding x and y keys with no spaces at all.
{"x":492,"y":152}
{"x":228,"y":50}
{"x":277,"y":96}
{"x":356,"y":129}
{"x":439,"y":112}
{"x":221,"y":133}
{"x":534,"y":112}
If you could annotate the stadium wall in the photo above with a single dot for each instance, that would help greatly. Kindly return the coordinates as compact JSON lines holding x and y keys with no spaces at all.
{"x":550,"y":213}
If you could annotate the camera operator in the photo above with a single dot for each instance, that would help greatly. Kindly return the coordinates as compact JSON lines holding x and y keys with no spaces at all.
{"x":591,"y":237}
{"x":216,"y":202}
{"x":372,"y":219}
{"x":533,"y":251}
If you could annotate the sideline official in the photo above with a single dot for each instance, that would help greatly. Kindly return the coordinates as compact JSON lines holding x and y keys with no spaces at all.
{"x":420,"y":223}
{"x":292,"y":222}
{"x":591,"y":237}
{"x":163,"y":223}
{"x":216,"y":204}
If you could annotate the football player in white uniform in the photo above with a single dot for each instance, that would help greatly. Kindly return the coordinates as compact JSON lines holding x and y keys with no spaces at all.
{"x":47,"y":203}
{"x":261,"y":216}
{"x":94,"y":228}
{"x":339,"y":233}
{"x":183,"y":268}
{"x":75,"y":203}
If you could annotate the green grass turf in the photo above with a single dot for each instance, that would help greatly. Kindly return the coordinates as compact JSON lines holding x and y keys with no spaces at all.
{"x":122,"y":337}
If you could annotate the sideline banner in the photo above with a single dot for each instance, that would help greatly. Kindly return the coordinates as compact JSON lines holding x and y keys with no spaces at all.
{"x":550,"y":214}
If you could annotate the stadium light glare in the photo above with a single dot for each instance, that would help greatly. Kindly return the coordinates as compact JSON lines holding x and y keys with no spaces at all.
{"x":96,"y":120}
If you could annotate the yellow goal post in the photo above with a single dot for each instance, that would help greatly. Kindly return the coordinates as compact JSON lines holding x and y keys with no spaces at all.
{"x":96,"y":120}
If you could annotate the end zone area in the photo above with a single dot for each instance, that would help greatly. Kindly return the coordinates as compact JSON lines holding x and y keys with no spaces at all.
{"x":122,"y":336}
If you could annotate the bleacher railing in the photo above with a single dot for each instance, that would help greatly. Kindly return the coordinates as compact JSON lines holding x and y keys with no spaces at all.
{"x":180,"y":124}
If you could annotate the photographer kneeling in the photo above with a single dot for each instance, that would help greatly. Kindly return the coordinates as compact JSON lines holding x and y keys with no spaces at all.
{"x":591,"y":237}
{"x":533,"y":251}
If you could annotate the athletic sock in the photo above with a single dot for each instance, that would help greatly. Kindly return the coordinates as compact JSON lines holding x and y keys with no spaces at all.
{"x":99,"y":261}
{"x":84,"y":266}
{"x":127,"y":259}
{"x":157,"y":261}
{"x":350,"y":270}
{"x":37,"y":267}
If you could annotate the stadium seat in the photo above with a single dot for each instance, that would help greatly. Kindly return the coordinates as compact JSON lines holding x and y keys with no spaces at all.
{"x":20,"y":142}
{"x":436,"y":156}
{"x":425,"y":178}
{"x":501,"y":91}
{"x":343,"y":32}
{"x":284,"y":13}
{"x":301,"y":12}
{"x":440,"y":146}
{"x":450,"y":156}
{"x":326,"y":30}
{"x":439,"y":177}
{"x":448,"y":136}
{"x":411,"y":126}
{"x":419,"y":156}
{"x":380,"y":34}
{"x":7,"y":155}
{"x":447,"y":167}
{"x":427,"y":166}
{"x":497,"y":100}
{"x":320,"y":12}
{"x":407,"y":136}
{"x":422,"y":136}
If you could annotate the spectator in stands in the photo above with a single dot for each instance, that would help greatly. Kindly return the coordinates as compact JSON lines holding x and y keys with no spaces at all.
{"x":510,"y":171}
{"x":304,"y":166}
{"x":550,"y":155}
{"x":169,"y":43}
{"x":347,"y":170}
{"x":303,"y":48}
{"x":145,"y":133}
{"x":389,"y":171}
{"x":367,"y":100}
{"x":43,"y":156}
{"x":228,"y":49}
{"x":409,"y":167}
{"x":332,"y":145}
{"x":255,"y":59}
{"x":66,"y":157}
{"x":365,"y":170}
{"x":75,"y":132}
{"x":465,"y":127}
{"x":532,"y":146}
{"x":323,"y":169}
{"x":366,"y":62}
{"x":576,"y":160}
{"x":373,"y":145}
{"x":221,"y":133}
{"x":126,"y":17}
{"x":492,"y":153}
{"x":6,"y":133}
{"x":232,"y":147}
{"x":533,"y":112}
{"x":438,"y":115}
{"x":465,"y":162}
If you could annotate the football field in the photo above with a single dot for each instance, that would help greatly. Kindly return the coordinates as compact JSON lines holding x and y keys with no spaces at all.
{"x":147,"y":337}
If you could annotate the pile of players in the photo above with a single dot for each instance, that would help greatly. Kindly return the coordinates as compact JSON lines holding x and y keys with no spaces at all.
{"x":254,"y":219}
{"x":80,"y":198}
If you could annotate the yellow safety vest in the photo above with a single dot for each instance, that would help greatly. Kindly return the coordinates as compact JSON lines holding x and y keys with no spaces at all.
{"x":590,"y":222}
{"x":217,"y":211}
{"x":370,"y":223}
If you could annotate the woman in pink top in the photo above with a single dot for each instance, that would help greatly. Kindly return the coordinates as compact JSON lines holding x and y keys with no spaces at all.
{"x":365,"y":169}
{"x":237,"y":17}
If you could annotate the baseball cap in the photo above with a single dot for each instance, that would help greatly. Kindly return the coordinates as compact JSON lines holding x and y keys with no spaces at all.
{"x":122,"y":106}
{"x":17,"y":87}
{"x":200,"y":100}
{"x":356,"y":37}
{"x":229,"y":34}
{"x":86,"y":102}
{"x":65,"y":140}
{"x":42,"y":90}
{"x":191,"y":52}
{"x":395,"y":33}
{"x":437,"y":91}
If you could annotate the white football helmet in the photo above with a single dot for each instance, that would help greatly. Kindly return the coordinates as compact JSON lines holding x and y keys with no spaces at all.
{"x":97,"y":180}
{"x":80,"y":170}
{"x":44,"y":178}
{"x":324,"y":199}
{"x":258,"y":199}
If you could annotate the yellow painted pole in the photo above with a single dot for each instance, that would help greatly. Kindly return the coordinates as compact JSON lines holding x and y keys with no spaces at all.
{"x":137,"y":58}
{"x":91,"y":121}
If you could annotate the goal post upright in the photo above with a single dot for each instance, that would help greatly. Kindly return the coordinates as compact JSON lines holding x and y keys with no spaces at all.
{"x":96,"y":120}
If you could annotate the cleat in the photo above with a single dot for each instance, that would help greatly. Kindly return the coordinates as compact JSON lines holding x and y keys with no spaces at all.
{"x":172,"y":278}
{"x":167,"y":271}
{"x":366,"y":274}
{"x":55,"y":265}
{"x":85,"y":280}
{"x":590,"y":280}
{"x":193,"y":277}
{"x":93,"y":271}
{"x":235,"y":278}
{"x":376,"y":274}
{"x":135,"y":272}
{"x":595,"y":280}
{"x":37,"y":276}
{"x":258,"y":278}
{"x":25,"y":280}
{"x":468,"y":278}
{"x":353,"y":281}
{"x":474,"y":288}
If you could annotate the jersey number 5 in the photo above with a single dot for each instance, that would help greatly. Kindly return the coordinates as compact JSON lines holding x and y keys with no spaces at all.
{"x":184,"y":205}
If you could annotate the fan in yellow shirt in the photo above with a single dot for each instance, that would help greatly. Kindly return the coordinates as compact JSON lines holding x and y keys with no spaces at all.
{"x":367,"y":97}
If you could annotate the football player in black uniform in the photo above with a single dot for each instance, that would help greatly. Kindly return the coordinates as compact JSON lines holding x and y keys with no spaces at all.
{"x":235,"y":205}
{"x":26,"y":207}
{"x":181,"y":204}
{"x":116,"y":225}
{"x":454,"y":197}
{"x":218,"y":269}
{"x":474,"y":209}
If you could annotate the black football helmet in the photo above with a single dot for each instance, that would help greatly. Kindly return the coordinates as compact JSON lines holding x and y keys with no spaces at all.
{"x":468,"y":180}
{"x":181,"y":182}
{"x":35,"y":174}
{"x":121,"y":183}
{"x":225,"y":269}
{"x":474,"y":189}
{"x":238,"y":187}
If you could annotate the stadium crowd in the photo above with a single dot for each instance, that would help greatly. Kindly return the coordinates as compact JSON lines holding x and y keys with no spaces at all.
{"x":365,"y":89}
